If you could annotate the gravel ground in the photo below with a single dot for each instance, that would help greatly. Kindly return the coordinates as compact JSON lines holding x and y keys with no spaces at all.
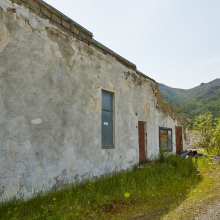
{"x":211,"y":213}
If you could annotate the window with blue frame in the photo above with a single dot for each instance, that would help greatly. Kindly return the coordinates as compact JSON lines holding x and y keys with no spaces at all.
{"x":107,"y":120}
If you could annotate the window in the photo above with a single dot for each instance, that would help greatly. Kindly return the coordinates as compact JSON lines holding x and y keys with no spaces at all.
{"x":166,"y":139}
{"x":107,"y":120}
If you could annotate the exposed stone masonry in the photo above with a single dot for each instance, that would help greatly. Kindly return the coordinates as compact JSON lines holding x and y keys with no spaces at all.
{"x":55,"y":18}
{"x":40,"y":9}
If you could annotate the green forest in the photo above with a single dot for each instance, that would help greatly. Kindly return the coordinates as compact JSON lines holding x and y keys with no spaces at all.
{"x":190,"y":103}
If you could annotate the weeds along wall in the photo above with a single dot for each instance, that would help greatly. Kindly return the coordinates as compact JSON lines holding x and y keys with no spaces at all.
{"x":51,"y":80}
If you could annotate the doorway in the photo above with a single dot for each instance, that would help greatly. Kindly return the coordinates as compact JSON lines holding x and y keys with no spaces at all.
{"x":141,"y":140}
{"x":179,"y":140}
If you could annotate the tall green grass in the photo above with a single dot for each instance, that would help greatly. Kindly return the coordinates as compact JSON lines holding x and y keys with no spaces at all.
{"x":163,"y":184}
{"x":213,"y":151}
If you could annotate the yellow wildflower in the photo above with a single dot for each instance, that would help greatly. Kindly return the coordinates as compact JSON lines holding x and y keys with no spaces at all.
{"x":127,"y":195}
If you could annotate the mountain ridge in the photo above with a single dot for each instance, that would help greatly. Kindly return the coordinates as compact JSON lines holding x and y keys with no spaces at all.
{"x":192,"y":102}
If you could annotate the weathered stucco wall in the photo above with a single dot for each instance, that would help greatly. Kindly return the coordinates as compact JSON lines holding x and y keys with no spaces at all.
{"x":50,"y":106}
{"x":192,"y":138}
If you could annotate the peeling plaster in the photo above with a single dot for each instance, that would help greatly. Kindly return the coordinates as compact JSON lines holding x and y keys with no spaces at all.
{"x":37,"y":121}
{"x":56,"y":50}
{"x":63,"y":87}
{"x":94,"y":106}
{"x":4,"y":37}
{"x":131,"y":109}
{"x":123,"y":84}
{"x":21,"y":11}
{"x":5,"y":4}
{"x":146,"y":110}
{"x":111,"y":86}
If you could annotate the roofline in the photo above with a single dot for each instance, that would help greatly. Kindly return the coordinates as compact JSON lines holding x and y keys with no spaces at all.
{"x":75,"y":23}
{"x":146,"y":77}
{"x":96,"y":42}
{"x":112,"y":52}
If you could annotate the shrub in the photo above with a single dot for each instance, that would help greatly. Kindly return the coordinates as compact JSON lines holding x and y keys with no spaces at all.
{"x":208,"y":133}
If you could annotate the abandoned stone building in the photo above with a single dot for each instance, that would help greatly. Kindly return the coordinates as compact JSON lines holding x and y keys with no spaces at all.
{"x":70,"y":108}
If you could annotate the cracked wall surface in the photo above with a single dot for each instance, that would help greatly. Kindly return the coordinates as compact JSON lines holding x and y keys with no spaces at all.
{"x":50,"y":106}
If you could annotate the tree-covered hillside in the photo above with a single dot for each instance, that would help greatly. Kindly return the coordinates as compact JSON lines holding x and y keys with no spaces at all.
{"x":192,"y":102}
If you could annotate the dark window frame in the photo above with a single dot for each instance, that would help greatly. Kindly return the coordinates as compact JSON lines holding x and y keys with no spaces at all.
{"x":167,"y":129}
{"x":112,"y":111}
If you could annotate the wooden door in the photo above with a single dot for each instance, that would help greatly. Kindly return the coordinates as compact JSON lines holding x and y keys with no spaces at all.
{"x":179,"y":141}
{"x":141,"y":141}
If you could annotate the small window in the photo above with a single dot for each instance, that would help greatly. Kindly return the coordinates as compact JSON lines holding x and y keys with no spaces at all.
{"x":107,"y":120}
{"x":166,"y":139}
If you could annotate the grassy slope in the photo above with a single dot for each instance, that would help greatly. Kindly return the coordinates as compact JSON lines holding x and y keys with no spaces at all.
{"x":195,"y":101}
{"x":206,"y":101}
{"x":204,"y":194}
{"x":153,"y":191}
{"x":172,"y":95}
{"x":180,"y":111}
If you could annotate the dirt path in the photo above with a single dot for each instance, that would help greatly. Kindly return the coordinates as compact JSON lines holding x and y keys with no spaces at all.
{"x":204,"y":201}
{"x":212,"y":212}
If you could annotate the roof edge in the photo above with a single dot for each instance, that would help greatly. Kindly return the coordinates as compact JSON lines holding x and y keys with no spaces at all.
{"x":75,"y":23}
{"x":146,"y":77}
{"x":95,"y":42}
{"x":112,"y":52}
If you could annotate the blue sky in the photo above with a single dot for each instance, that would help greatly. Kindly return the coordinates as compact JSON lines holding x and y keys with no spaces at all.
{"x":175,"y":42}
